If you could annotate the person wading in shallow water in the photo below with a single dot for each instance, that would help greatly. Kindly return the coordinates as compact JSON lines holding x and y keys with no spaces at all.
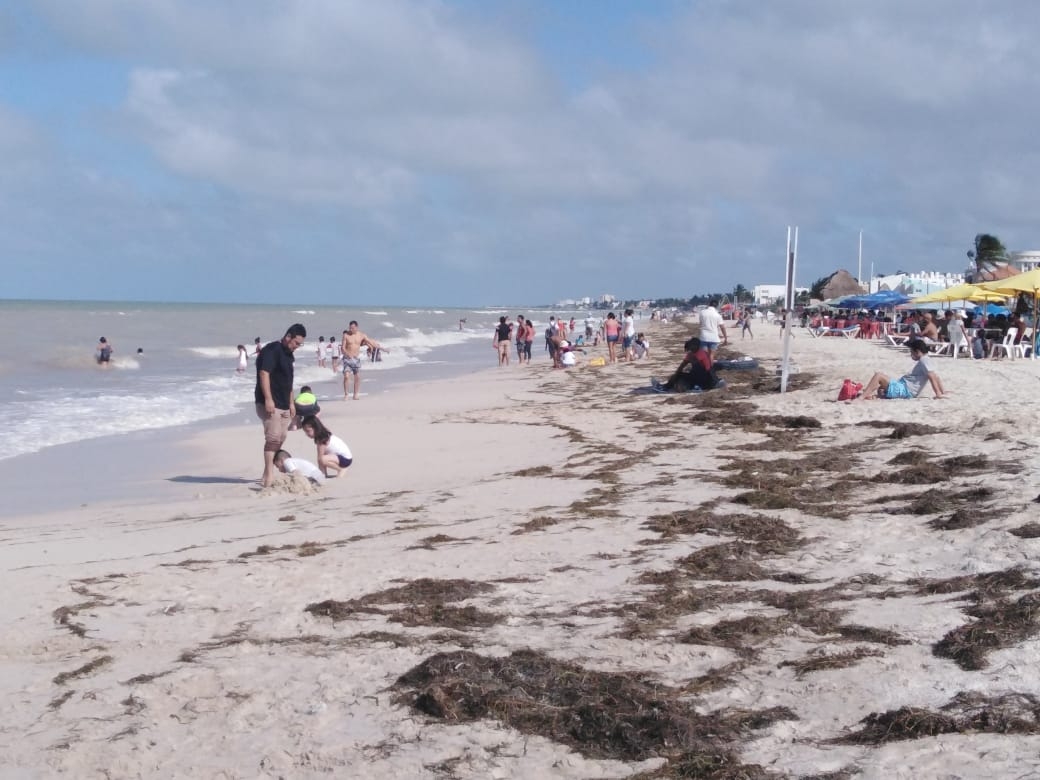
{"x":273,"y":394}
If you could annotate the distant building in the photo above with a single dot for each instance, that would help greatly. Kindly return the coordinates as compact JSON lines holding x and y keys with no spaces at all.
{"x":917,"y":283}
{"x":1026,"y":260}
{"x":766,"y":294}
{"x":607,"y":298}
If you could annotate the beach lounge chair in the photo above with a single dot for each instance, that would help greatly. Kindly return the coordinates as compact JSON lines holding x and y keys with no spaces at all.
{"x":937,"y":347}
{"x":850,"y":332}
{"x":896,"y":339}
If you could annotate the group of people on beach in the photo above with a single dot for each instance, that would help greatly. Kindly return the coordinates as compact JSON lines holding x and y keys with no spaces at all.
{"x":280,"y":411}
{"x":329,"y":353}
{"x":563,"y":339}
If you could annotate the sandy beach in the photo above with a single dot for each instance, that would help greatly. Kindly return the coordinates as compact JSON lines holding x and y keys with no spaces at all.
{"x":533,"y":573}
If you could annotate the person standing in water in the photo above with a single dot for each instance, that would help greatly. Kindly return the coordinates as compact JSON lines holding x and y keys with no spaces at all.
{"x":243,"y":359}
{"x":103,"y":352}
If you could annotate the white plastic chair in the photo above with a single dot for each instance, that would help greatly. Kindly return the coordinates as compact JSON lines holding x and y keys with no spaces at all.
{"x":1008,"y":345}
{"x":958,"y":342}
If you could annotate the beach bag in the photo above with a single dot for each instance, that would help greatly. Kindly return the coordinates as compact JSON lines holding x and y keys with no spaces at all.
{"x":849,"y":390}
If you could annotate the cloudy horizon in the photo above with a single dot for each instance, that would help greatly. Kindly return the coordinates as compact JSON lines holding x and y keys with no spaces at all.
{"x":410,"y":151}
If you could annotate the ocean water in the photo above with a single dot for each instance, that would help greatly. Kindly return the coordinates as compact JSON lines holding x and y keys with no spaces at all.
{"x":52,"y":391}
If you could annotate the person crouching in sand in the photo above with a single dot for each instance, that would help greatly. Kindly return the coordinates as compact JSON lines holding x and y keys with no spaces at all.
{"x":909,"y":385}
{"x":333,"y":453}
{"x":287,"y":464}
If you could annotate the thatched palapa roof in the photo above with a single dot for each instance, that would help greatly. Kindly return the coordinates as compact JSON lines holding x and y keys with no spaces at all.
{"x":841,"y":283}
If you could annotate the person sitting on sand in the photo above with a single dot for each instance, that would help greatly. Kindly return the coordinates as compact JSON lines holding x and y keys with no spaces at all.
{"x":695,"y":372}
{"x":333,"y":452}
{"x":909,"y":385}
{"x":287,"y":464}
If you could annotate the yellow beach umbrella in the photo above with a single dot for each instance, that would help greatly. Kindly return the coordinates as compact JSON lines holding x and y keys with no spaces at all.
{"x":1029,"y":282}
{"x":960,"y":292}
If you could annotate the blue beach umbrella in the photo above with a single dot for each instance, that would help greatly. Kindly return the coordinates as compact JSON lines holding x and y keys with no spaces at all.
{"x":990,"y":309}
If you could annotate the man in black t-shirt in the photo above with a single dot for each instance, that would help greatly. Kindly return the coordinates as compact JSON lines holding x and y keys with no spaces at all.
{"x":500,"y":341}
{"x":274,"y":395}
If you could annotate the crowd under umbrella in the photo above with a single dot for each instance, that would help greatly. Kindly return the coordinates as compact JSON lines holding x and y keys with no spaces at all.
{"x":1029,"y":282}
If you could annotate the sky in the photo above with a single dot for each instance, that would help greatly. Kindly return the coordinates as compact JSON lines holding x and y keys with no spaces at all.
{"x":470,"y":152}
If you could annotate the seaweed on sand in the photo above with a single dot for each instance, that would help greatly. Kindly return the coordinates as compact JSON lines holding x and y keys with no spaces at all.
{"x":730,"y":562}
{"x":739,"y":634}
{"x":601,"y":715}
{"x":902,"y":430}
{"x":817,"y":662}
{"x":1012,"y":713}
{"x":999,"y":624}
{"x":771,"y":534}
{"x":426,"y":603}
{"x":1030,"y":530}
{"x":88,"y":668}
{"x":965,"y":517}
{"x":925,"y":473}
{"x":935,"y":500}
{"x":444,"y":616}
{"x":535,"y":524}
{"x":990,"y":584}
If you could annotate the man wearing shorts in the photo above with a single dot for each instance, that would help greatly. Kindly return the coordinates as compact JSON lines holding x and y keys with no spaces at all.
{"x":273,"y":394}
{"x":350,"y":345}
{"x":712,"y":328}
{"x":500,"y":341}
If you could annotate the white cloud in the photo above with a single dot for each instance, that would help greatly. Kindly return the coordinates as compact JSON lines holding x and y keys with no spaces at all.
{"x":427,"y":130}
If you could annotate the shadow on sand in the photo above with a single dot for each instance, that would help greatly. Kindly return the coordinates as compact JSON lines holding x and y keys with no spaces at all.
{"x":212,"y":480}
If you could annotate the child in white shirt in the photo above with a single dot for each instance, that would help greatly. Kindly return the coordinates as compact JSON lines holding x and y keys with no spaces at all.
{"x":287,"y":464}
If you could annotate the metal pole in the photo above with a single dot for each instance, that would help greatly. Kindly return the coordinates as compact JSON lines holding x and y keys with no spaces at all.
{"x":785,"y":364}
{"x":859,"y":269}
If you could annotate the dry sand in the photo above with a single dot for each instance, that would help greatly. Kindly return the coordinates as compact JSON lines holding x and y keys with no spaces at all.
{"x":538,"y":573}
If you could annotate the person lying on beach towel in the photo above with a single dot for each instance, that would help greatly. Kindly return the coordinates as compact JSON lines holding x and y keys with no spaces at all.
{"x":695,"y":373}
{"x":909,"y":385}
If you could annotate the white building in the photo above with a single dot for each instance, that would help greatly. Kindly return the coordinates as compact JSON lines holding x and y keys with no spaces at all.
{"x":1026,"y":260}
{"x":917,"y":283}
{"x":766,"y":294}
